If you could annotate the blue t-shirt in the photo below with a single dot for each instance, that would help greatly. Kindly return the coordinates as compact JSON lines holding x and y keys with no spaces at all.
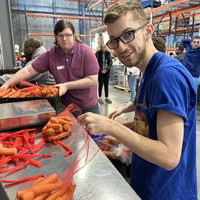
{"x":166,"y":85}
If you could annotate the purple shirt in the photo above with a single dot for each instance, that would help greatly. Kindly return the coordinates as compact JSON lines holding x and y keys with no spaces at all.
{"x":79,"y":63}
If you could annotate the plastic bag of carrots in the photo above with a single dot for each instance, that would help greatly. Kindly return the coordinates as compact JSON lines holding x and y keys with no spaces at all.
{"x":57,"y":128}
{"x":48,"y":188}
{"x":60,"y":126}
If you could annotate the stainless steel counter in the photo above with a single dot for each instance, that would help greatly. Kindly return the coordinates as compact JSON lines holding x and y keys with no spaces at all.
{"x":97,"y":180}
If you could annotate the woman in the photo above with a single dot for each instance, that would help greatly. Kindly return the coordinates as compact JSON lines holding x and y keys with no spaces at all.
{"x":73,"y":66}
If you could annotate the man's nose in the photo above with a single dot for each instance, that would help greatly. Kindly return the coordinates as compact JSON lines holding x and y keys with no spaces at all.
{"x":121,"y":46}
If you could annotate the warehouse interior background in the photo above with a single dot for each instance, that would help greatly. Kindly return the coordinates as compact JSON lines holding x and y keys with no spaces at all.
{"x":173,"y":20}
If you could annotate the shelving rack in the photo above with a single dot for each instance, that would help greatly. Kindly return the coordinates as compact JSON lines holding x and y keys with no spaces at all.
{"x":167,"y":18}
{"x":177,"y":19}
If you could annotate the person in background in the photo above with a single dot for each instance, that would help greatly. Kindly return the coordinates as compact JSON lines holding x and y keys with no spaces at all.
{"x":191,"y":59}
{"x":159,"y":44}
{"x":32,"y":49}
{"x":105,"y":62}
{"x":163,"y":138}
{"x":132,"y":74}
{"x":73,"y":66}
{"x":179,"y":50}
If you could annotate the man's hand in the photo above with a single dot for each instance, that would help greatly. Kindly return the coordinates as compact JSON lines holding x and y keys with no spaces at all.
{"x":95,"y":124}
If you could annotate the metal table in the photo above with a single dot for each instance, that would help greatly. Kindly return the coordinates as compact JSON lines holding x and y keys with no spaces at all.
{"x":97,"y":180}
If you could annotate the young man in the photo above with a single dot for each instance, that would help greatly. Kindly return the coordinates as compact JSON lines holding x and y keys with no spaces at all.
{"x":163,"y":140}
{"x":179,"y":50}
{"x":72,"y":64}
{"x":105,"y":63}
{"x":191,"y":58}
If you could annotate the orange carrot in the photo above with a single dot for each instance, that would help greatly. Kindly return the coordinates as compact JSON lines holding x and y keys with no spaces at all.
{"x":20,"y":192}
{"x":49,"y":131}
{"x":39,"y":189}
{"x":51,"y":178}
{"x":60,"y":136}
{"x":60,"y":130}
{"x":54,"y":120}
{"x":16,"y":94}
{"x":10,"y":93}
{"x":64,"y":118}
{"x":8,"y":151}
{"x":54,"y":126}
{"x":70,"y":191}
{"x":56,"y":194}
{"x":42,"y":196}
{"x":67,"y":127}
{"x":3,"y":93}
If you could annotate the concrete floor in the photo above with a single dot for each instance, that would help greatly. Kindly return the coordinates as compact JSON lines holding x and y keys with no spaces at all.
{"x":120,"y":97}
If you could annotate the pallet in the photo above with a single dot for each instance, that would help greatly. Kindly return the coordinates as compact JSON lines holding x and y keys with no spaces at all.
{"x":122,"y":88}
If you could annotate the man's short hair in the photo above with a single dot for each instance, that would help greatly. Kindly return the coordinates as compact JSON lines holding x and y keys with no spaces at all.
{"x":180,"y":47}
{"x":121,"y":8}
{"x":196,"y":37}
{"x":33,"y":42}
{"x":159,"y":44}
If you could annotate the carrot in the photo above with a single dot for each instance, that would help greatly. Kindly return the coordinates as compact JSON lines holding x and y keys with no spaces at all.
{"x":3,"y":93}
{"x":67,"y":127}
{"x":54,"y":126}
{"x":54,"y":120}
{"x":60,"y":130}
{"x":51,"y":178}
{"x":16,"y":94}
{"x":57,"y":193}
{"x":64,"y":118}
{"x":20,"y":192}
{"x":70,"y":191}
{"x":39,"y":189}
{"x":60,"y":136}
{"x":8,"y":151}
{"x":10,"y":93}
{"x":42,"y":196}
{"x":49,"y":131}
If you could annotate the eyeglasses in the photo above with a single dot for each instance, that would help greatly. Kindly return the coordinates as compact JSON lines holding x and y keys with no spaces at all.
{"x":126,"y":37}
{"x":67,"y":35}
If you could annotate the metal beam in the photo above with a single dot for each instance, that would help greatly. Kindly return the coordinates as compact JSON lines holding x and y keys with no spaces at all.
{"x":51,"y":34}
{"x":62,"y":16}
{"x":160,"y":8}
{"x":95,"y":4}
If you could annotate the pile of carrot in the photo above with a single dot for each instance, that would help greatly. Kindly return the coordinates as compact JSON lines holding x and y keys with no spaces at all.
{"x":30,"y":91}
{"x":57,"y":128}
{"x":48,"y":188}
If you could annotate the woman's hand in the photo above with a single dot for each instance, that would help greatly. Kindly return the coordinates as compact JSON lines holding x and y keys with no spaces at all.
{"x":63,"y":88}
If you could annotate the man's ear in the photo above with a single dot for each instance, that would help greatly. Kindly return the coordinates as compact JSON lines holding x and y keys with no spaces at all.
{"x":149,"y":31}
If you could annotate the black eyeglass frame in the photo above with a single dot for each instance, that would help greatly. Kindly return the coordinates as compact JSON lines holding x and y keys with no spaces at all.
{"x":119,"y":38}
{"x":68,"y":35}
